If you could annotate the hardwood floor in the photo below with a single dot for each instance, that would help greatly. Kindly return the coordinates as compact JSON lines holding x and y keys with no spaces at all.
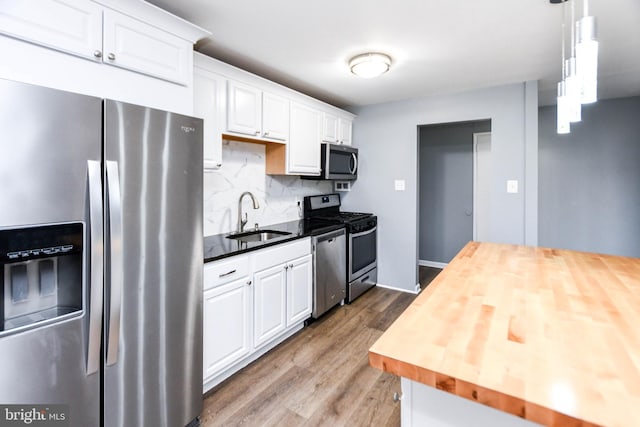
{"x":426,"y":275}
{"x":320,"y":376}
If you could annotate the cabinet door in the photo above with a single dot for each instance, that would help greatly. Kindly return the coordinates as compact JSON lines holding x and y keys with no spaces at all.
{"x":134,"y":45}
{"x":275,"y":117}
{"x":244,"y":110}
{"x":303,"y":151}
{"x":269,"y":304}
{"x":329,"y":128}
{"x":72,"y":26}
{"x":226,"y":329}
{"x":345,"y":128}
{"x":299,"y":290}
{"x":209,"y":97}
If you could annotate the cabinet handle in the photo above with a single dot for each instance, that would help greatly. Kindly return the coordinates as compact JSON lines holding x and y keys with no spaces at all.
{"x":290,"y":265}
{"x":397,"y":397}
{"x":111,"y":56}
{"x":249,"y":282}
{"x":286,"y":267}
{"x":257,"y":132}
{"x":97,"y":54}
{"x":266,"y":133}
{"x":219,"y":164}
{"x":227,"y":273}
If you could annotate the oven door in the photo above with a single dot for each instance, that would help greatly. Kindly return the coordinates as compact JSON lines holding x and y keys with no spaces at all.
{"x":362,"y":252}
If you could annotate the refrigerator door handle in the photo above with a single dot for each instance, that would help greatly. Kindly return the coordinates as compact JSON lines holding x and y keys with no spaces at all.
{"x":94,"y":186}
{"x":115,"y":268}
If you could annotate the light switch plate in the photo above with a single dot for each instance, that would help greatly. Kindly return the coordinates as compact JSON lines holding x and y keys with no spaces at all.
{"x":512,"y":186}
{"x":400,"y":184}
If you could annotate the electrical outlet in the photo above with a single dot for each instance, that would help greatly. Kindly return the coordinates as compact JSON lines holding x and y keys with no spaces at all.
{"x":512,"y":186}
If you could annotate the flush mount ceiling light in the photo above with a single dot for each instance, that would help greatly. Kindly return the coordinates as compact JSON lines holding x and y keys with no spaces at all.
{"x":370,"y":65}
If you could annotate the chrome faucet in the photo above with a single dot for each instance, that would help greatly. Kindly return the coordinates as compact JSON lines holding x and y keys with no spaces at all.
{"x":243,"y":221}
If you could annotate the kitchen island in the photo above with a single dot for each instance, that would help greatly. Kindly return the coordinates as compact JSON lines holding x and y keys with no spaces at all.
{"x":549,"y":336}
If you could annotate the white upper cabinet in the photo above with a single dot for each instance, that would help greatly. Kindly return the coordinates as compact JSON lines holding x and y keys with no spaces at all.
{"x":134,"y":45}
{"x":209,"y":103}
{"x":244,"y":111}
{"x":329,"y":128}
{"x":89,"y":30}
{"x":256,"y":113}
{"x":71,"y":26}
{"x":336,"y":130}
{"x":275,"y":117}
{"x":303,"y":154}
{"x":291,"y":125}
{"x":345,"y":129}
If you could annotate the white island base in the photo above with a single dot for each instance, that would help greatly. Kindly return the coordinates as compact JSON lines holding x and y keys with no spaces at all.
{"x":425,"y":406}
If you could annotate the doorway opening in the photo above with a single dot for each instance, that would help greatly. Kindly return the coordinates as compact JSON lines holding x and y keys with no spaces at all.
{"x":454,"y":182}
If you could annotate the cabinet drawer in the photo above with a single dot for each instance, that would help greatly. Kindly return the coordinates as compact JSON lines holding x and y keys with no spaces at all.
{"x":279,"y":254}
{"x":224,"y":271}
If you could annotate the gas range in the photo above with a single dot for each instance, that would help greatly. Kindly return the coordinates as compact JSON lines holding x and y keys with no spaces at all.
{"x":361,"y":242}
{"x":326,"y":209}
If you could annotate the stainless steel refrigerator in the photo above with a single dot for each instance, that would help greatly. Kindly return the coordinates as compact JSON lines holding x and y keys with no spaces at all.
{"x":101,"y":259}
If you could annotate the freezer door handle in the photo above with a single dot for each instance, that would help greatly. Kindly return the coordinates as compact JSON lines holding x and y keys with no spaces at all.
{"x":115,"y":257}
{"x":94,"y":186}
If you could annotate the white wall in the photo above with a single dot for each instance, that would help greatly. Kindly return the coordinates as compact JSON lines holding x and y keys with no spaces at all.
{"x":387,"y":135}
{"x":243,"y":169}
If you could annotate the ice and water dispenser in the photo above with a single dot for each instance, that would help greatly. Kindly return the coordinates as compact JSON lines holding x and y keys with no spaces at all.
{"x":42,"y":272}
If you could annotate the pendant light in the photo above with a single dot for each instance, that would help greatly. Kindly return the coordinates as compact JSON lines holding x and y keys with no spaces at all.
{"x":587,"y":56}
{"x":564,"y":125}
{"x":572,"y":81}
{"x":563,"y":101}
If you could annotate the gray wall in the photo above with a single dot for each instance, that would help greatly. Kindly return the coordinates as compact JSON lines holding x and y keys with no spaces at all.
{"x":446,"y":188}
{"x":387,"y":135}
{"x":589,"y":180}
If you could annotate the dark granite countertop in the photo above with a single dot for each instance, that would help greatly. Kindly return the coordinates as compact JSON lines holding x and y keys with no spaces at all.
{"x":218,"y":246}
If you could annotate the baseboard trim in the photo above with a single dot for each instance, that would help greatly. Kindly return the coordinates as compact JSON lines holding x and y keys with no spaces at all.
{"x":433,"y":264}
{"x":393,"y":288}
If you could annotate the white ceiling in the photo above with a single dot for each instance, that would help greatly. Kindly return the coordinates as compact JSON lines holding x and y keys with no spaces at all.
{"x":437,"y":46}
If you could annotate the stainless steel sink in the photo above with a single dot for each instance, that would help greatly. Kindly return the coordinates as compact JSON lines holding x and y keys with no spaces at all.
{"x":257,"y":235}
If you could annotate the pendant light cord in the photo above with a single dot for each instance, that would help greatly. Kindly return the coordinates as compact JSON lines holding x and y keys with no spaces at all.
{"x":573,"y":28}
{"x":585,"y":8}
{"x":564,"y":18}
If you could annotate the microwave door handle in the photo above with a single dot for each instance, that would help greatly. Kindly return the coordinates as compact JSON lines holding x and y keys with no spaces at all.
{"x":96,"y":262}
{"x":115,"y":267}
{"x":355,"y":164}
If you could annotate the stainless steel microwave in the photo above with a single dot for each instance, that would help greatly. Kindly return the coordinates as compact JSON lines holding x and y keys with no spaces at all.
{"x":338,"y":162}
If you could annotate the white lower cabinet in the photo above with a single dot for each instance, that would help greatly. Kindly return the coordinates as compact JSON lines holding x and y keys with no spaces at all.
{"x":269,"y":305}
{"x":252,"y":302}
{"x":299,"y":294}
{"x":226,"y":327}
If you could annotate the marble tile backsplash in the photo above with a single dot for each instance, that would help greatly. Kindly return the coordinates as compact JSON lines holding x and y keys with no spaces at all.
{"x":243,"y":169}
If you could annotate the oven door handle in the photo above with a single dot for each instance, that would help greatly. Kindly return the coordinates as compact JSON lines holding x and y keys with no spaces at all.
{"x":364,"y":233}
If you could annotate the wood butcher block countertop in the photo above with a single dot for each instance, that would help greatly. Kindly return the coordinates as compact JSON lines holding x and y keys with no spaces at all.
{"x":549,"y":335}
